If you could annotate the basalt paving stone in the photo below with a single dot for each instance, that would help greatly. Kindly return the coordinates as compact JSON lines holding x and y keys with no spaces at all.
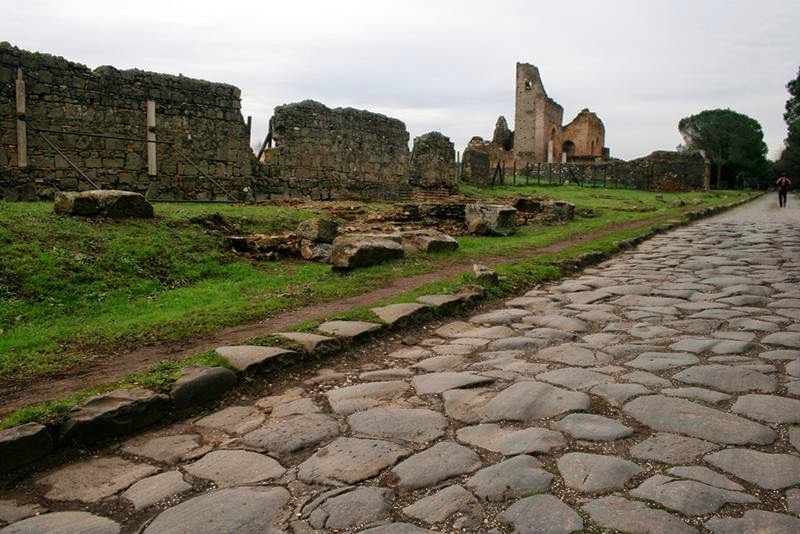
{"x":411,"y":353}
{"x":671,"y":448}
{"x":93,"y":480}
{"x":455,"y":330}
{"x":704,"y":475}
{"x":598,"y":316}
{"x":689,"y":497}
{"x":620,"y":514}
{"x":417,"y":425}
{"x":246,"y":358}
{"x":646,"y":331}
{"x":502,"y":316}
{"x":671,"y":414}
{"x":702,"y":394}
{"x":559,"y":322}
{"x":529,"y":400}
{"x":517,"y":343}
{"x":439,"y":363}
{"x":235,"y":468}
{"x":592,"y":427}
{"x":292,"y":434}
{"x":466,"y":405}
{"x":576,"y":378}
{"x":660,"y":361}
{"x":164,"y":449}
{"x":727,"y":378}
{"x":11,"y":511}
{"x":351,"y":399}
{"x":793,"y":501}
{"x":514,"y":477}
{"x":699,"y":345}
{"x":295,"y":407}
{"x":349,"y":329}
{"x":151,"y":490}
{"x":550,"y":335}
{"x":438,"y":507}
{"x":349,"y":460}
{"x":784,"y":339}
{"x":770,"y":471}
{"x":782,"y":354}
{"x":453,"y":349}
{"x":793,"y":368}
{"x":755,"y":521}
{"x":694,"y":326}
{"x":444,"y":460}
{"x":541,"y":514}
{"x":510,"y":442}
{"x":397,"y":528}
{"x":646,"y":378}
{"x":770,"y":408}
{"x":247,"y":510}
{"x":362,"y":506}
{"x":431,"y":383}
{"x":234,"y":420}
{"x":618,"y":394}
{"x":575,"y":355}
{"x":593,"y":473}
{"x":745,"y":323}
{"x":64,"y":523}
{"x":381,"y":375}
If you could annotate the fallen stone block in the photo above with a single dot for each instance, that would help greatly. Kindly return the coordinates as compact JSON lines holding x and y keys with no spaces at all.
{"x":270,"y":245}
{"x":317,"y":230}
{"x":119,"y":412}
{"x":314,"y":251}
{"x":22,"y":445}
{"x":485,"y":274}
{"x":353,"y":251}
{"x":427,"y":241}
{"x":249,"y":358}
{"x":106,"y":203}
{"x":199,"y":384}
{"x":490,"y":219}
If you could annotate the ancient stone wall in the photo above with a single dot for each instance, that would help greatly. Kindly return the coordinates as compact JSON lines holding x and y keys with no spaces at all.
{"x":335,"y":153}
{"x":433,"y":162}
{"x":201,"y":118}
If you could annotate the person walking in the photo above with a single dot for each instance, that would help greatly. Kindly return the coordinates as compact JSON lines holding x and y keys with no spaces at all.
{"x":783,"y":184}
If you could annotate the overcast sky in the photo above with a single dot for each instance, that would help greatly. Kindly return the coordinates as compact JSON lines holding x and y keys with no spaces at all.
{"x":641,"y":65}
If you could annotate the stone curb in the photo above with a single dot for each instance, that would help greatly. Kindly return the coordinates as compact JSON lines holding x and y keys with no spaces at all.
{"x":126,"y":411}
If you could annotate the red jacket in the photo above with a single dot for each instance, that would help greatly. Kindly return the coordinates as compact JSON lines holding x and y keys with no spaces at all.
{"x":783,"y":183}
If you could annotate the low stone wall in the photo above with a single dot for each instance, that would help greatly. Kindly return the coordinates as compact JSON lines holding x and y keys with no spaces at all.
{"x":201,"y":118}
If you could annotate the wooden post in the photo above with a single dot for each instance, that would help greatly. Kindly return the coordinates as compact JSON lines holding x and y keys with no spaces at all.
{"x":22,"y":127}
{"x":152,"y":168}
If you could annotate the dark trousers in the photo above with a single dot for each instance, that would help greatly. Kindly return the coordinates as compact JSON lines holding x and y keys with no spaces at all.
{"x":782,"y":198}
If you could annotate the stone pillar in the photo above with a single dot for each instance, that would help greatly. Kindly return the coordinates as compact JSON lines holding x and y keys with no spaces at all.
{"x":152,"y":169}
{"x":22,"y":127}
{"x":563,"y":157}
{"x":550,"y":151}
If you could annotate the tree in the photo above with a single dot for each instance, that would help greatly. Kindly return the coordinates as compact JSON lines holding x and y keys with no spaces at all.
{"x":789,"y":162}
{"x":731,"y":141}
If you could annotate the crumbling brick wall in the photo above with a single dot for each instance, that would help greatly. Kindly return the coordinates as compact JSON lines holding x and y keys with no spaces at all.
{"x":203,"y":119}
{"x":335,"y":153}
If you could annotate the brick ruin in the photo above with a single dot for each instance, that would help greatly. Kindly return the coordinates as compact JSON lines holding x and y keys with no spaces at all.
{"x":542,"y":145}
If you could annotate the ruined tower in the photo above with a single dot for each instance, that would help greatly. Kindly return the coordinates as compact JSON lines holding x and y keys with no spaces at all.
{"x":537,"y":118}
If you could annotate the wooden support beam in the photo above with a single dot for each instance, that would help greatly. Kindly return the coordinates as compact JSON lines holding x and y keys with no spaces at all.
{"x":22,"y":128}
{"x":152,"y":167}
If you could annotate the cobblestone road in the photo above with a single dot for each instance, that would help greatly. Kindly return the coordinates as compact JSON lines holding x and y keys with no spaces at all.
{"x":658,"y":392}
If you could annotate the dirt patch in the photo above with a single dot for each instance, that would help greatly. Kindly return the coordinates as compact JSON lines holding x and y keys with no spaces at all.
{"x":115,"y":365}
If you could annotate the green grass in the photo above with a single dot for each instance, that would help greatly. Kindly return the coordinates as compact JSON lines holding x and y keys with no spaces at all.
{"x":72,"y":288}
